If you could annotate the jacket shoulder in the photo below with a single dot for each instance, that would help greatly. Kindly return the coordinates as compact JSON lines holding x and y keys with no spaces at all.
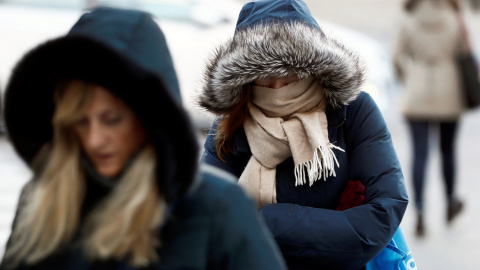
{"x":219,"y":189}
{"x":363,"y":100}
{"x":361,"y":108}
{"x":216,"y":226}
{"x":213,"y":191}
{"x":215,"y":181}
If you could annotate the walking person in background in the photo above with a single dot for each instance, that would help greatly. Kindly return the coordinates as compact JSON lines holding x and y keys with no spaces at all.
{"x":429,"y":40}
{"x":2,"y":124}
{"x":293,"y":125}
{"x":97,"y":116}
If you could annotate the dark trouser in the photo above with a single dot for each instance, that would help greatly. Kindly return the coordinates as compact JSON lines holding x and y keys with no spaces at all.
{"x":420,"y":135}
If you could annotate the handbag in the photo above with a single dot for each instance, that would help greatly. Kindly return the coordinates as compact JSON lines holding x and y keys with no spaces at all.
{"x":395,"y":256}
{"x":468,"y":68}
{"x":469,"y":79}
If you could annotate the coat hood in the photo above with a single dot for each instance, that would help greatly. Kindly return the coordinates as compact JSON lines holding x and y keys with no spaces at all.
{"x":276,"y":38}
{"x":126,"y":52}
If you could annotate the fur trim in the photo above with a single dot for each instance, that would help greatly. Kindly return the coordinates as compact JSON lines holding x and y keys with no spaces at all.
{"x":279,"y":49}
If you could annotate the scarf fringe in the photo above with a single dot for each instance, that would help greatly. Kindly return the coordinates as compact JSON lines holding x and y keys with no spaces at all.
{"x":321,"y":166}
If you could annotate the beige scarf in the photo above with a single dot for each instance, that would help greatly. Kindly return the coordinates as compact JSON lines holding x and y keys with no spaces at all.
{"x":284,"y":122}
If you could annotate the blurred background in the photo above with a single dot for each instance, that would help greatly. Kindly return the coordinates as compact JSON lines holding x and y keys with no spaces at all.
{"x":194,"y":27}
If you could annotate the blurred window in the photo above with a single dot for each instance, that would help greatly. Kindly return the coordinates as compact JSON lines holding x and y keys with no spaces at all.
{"x":202,"y":12}
{"x":50,"y":3}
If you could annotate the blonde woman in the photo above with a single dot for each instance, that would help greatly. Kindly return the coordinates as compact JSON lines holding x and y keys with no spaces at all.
{"x":96,"y":115}
{"x":2,"y":125}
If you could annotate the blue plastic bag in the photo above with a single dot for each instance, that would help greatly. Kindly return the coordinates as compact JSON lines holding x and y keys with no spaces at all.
{"x":395,"y":256}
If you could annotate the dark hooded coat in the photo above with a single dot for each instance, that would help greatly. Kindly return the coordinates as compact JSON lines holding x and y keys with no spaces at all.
{"x":211,"y":223}
{"x":275,"y":38}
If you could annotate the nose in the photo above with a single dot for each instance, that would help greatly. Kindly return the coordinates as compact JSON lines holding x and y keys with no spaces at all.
{"x":96,"y":137}
{"x":278,"y":84}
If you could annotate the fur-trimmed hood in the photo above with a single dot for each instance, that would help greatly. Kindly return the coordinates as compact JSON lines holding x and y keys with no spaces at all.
{"x":126,"y":52}
{"x":277,"y":38}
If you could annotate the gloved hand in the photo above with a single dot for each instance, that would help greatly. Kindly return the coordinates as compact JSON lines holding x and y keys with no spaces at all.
{"x":353,"y":195}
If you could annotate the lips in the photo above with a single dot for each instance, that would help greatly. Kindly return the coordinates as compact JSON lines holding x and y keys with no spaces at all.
{"x":102,"y":157}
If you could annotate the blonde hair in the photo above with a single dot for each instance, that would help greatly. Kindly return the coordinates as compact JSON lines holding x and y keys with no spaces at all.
{"x":124,"y":224}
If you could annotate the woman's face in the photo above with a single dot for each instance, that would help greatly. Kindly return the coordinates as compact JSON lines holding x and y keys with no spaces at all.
{"x":109,"y":132}
{"x":275,"y":83}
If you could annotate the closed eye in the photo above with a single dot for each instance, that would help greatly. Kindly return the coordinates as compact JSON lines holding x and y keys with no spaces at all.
{"x":82,"y":122}
{"x":115,"y":120}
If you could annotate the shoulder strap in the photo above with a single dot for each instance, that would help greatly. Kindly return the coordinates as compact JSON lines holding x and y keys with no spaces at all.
{"x":465,"y":39}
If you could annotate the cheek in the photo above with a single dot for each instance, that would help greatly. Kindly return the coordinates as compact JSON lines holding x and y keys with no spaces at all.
{"x":263,"y":82}
{"x":129,"y":138}
{"x":81,"y":135}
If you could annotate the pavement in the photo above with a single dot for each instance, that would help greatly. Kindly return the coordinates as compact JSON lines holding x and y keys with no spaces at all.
{"x":453,"y":246}
{"x":444,"y":247}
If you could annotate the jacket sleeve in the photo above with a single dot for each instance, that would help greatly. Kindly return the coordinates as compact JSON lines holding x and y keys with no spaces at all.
{"x":348,"y":239}
{"x":210,"y":155}
{"x":241,"y":239}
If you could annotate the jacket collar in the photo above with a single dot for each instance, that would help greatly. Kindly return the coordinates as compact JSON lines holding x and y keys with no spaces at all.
{"x":336,"y":116}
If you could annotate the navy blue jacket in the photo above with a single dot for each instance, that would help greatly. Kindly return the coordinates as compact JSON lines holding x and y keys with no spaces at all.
{"x":309,"y":232}
{"x":275,"y":38}
{"x":215,"y":226}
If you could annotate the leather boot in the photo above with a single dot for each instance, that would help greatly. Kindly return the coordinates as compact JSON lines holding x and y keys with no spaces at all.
{"x":420,"y":228}
{"x":454,"y":208}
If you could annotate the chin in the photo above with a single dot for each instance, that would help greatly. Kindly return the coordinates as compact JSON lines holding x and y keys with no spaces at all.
{"x":109,"y":173}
